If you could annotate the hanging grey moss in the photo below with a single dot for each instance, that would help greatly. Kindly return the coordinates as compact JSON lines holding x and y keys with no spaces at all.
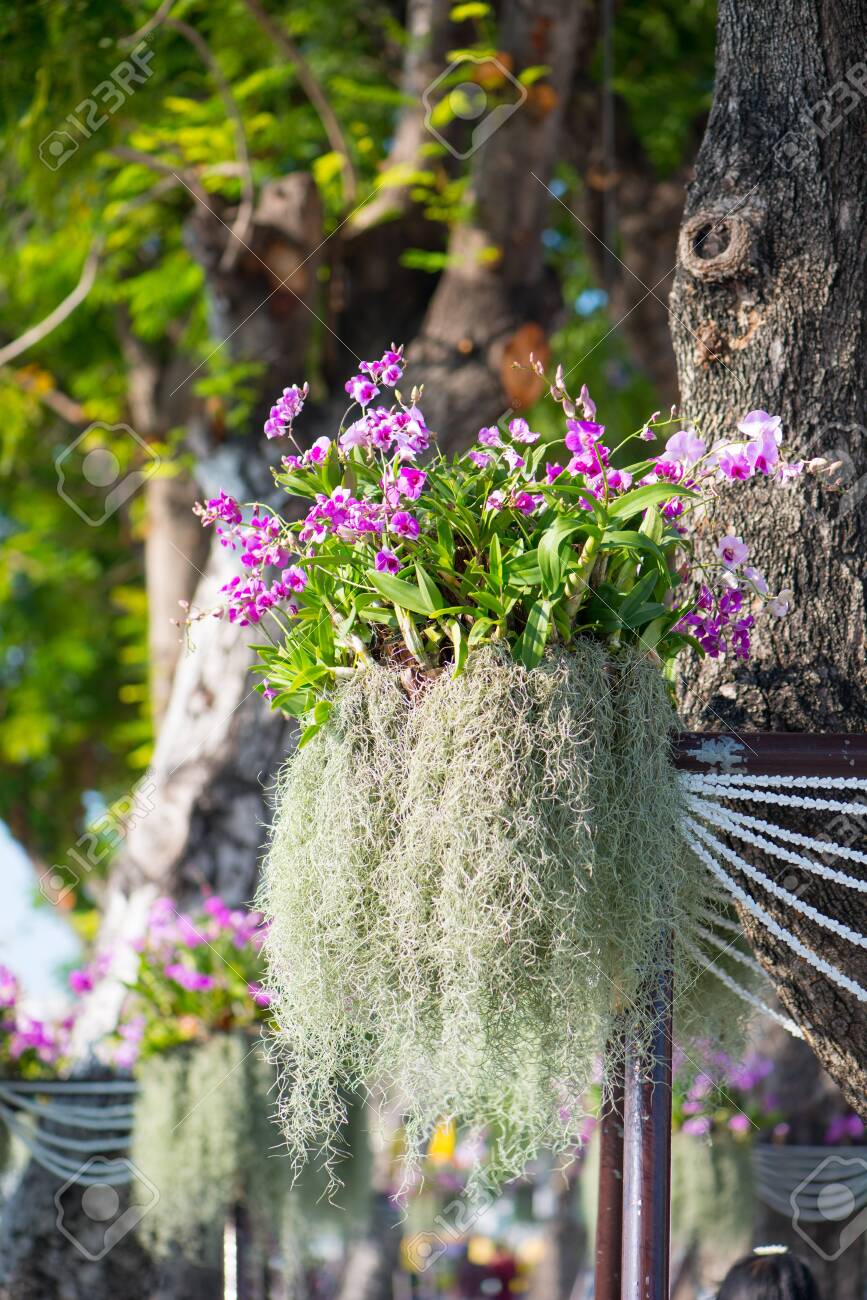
{"x":712,"y":1196}
{"x":203,"y":1135}
{"x":466,"y":884}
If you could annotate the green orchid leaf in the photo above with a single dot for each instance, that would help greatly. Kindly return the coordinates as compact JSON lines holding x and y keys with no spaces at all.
{"x":479,"y":631}
{"x":430,"y":591}
{"x":445,"y":537}
{"x":461,"y":646}
{"x":644,"y":614}
{"x":550,"y":550}
{"x":530,"y":645}
{"x":637,"y":597}
{"x":624,"y":507}
{"x":634,"y":541}
{"x":656,"y":630}
{"x":495,"y":562}
{"x":494,"y":604}
{"x":524,"y":570}
{"x":322,"y":712}
{"x":308,"y":733}
{"x":406,"y":595}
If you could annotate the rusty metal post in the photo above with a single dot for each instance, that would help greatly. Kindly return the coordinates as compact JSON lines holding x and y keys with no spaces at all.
{"x":781,"y":753}
{"x":609,"y":1212}
{"x":647,"y":1151}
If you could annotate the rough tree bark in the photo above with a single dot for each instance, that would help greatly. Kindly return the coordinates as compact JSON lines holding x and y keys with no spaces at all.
{"x":768,"y":311}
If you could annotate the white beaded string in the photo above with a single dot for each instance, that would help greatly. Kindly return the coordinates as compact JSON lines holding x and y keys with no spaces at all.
{"x":784,"y":895}
{"x":741,"y":992}
{"x":112,"y":1172}
{"x":829,"y":847}
{"x":111,"y":1124}
{"x":809,"y":1180}
{"x":723,"y":922}
{"x":818,"y":963}
{"x":779,"y":782}
{"x":732,"y":823}
{"x":728,"y":949}
{"x":703,"y":786}
{"x":107,"y":1117}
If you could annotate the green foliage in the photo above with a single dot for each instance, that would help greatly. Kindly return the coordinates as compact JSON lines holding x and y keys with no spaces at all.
{"x":75,"y":710}
{"x":664,"y":70}
{"x":72,"y":644}
{"x":73,"y":656}
{"x":465,"y":884}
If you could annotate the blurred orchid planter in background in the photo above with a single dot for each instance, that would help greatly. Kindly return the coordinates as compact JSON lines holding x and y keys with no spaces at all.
{"x":190,"y":1029}
{"x":478,"y":845}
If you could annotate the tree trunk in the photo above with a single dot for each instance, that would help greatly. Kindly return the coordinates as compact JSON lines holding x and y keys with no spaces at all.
{"x":634,"y":262}
{"x":495,"y":302}
{"x":768,"y":312}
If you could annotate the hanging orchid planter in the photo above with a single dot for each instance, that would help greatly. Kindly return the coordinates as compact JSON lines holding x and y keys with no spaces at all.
{"x":478,"y":848}
{"x":191,"y":1029}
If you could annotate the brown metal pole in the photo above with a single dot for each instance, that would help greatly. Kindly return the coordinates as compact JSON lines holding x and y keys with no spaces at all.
{"x":647,"y":1153}
{"x":780,"y":753}
{"x":609,"y":1214}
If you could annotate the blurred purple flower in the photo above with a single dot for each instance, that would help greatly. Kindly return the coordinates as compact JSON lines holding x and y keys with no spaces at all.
{"x":192,"y":980}
{"x":260,"y":996}
{"x":80,"y":981}
{"x":9,"y":987}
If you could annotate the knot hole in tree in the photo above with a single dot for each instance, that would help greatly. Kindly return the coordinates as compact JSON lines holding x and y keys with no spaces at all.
{"x":716,"y":247}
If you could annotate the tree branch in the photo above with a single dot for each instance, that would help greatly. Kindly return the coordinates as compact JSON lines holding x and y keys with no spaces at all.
{"x":127,"y":42}
{"x":240,"y":228}
{"x":38,"y":332}
{"x":313,"y":91}
{"x":60,"y":403}
{"x":190,"y":179}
